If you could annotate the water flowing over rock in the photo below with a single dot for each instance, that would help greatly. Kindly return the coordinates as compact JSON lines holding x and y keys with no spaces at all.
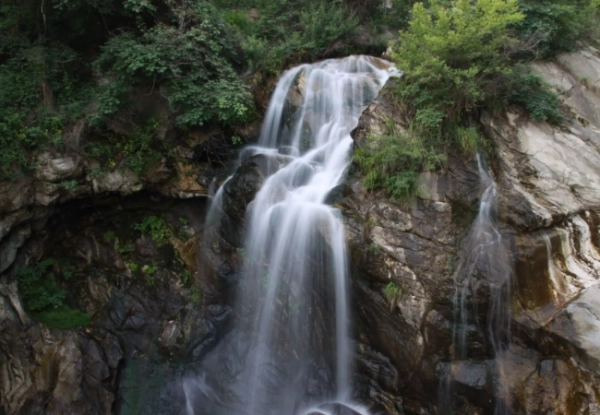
{"x":311,"y":331}
{"x":546,"y":184}
{"x":484,"y":255}
{"x":293,"y":293}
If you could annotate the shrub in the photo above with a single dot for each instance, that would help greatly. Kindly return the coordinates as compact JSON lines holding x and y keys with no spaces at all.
{"x":467,"y":139}
{"x":192,"y":60}
{"x":156,"y":227}
{"x":43,"y":87}
{"x":64,"y":318}
{"x":140,"y":150}
{"x":553,"y":25}
{"x":288,"y":30}
{"x":392,"y":293}
{"x":529,"y":90}
{"x":38,"y":287}
{"x":452,"y":55}
{"x":393,"y":161}
{"x":44,"y":299}
{"x":459,"y":58}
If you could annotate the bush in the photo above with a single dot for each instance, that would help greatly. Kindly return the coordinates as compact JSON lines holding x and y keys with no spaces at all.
{"x":553,"y":25}
{"x":39,"y":93}
{"x":140,"y":150}
{"x":453,"y":55}
{"x":529,"y":90}
{"x":392,"y":290}
{"x":156,"y":227}
{"x":44,"y":299}
{"x":460,"y":58}
{"x":38,"y":287}
{"x":392,"y":293}
{"x":393,"y":162}
{"x":192,"y":60}
{"x":288,"y":30}
{"x":63,"y":318}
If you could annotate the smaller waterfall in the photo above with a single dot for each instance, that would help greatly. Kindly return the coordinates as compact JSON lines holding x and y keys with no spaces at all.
{"x":486,"y":258}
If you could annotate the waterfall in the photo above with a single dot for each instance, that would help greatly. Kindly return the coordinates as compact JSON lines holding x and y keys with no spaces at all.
{"x":293,"y":297}
{"x":485,"y":258}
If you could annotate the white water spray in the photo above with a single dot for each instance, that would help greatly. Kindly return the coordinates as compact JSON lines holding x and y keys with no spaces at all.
{"x":486,"y":257}
{"x":293,"y":297}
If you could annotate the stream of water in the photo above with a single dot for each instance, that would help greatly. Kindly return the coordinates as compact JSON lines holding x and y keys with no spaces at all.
{"x":485,"y":258}
{"x":293,"y":297}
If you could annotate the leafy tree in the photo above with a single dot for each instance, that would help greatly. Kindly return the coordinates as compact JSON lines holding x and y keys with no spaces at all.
{"x":554,"y":26}
{"x":458,"y":57}
{"x":192,"y":59}
{"x":288,"y":31}
{"x":452,"y":56}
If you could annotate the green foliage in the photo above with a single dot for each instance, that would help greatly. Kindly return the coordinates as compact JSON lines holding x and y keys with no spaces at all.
{"x":183,"y":50}
{"x":530,"y":91}
{"x":109,"y":236}
{"x":374,"y":248}
{"x":41,"y":89}
{"x":141,"y":150}
{"x":38,"y":287}
{"x":402,"y":186}
{"x":149,"y":269}
{"x":459,"y":58}
{"x":139,"y":6}
{"x":195,"y":296}
{"x":392,"y":292}
{"x":378,"y":15}
{"x":288,"y":30}
{"x":392,"y":162}
{"x":64,"y":318}
{"x":186,"y":277}
{"x":124,"y":248}
{"x":68,"y":185}
{"x":156,"y":227}
{"x":554,"y":26}
{"x":452,"y":55}
{"x":467,"y":139}
{"x":44,"y":299}
{"x":192,"y":59}
{"x":133,"y":266}
{"x":17,"y":140}
{"x":67,"y":270}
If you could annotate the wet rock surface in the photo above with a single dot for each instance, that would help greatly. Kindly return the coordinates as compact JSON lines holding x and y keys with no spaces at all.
{"x":144,"y":308}
{"x":153,"y":331}
{"x":547,"y":181}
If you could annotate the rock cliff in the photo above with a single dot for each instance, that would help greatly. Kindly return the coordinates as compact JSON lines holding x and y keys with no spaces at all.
{"x":548,"y":187}
{"x":158,"y":310}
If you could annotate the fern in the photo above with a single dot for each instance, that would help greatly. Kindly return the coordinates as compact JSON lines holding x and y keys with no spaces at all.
{"x":157,"y":229}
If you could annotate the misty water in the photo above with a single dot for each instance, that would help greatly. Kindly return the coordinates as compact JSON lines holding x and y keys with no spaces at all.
{"x":290,"y":351}
{"x":484,"y":265}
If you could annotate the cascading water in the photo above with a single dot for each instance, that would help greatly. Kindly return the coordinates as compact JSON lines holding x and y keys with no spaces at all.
{"x":293,"y":294}
{"x":486,"y":257}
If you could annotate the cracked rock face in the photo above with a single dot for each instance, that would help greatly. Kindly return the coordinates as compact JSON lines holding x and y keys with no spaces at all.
{"x":548,"y":182}
{"x":140,"y":321}
{"x":61,"y":178}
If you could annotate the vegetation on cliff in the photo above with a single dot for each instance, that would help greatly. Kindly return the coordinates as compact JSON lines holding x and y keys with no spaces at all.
{"x":102,"y":62}
{"x":110,"y":68}
{"x":464,"y":57}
